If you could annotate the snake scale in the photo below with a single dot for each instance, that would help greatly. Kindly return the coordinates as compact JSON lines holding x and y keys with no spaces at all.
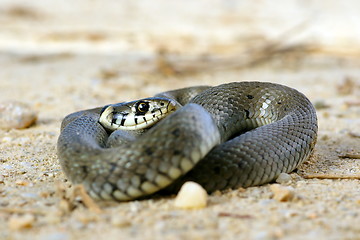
{"x":233,"y":135}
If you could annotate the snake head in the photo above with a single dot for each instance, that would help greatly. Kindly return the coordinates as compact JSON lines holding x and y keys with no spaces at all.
{"x":136,"y":115}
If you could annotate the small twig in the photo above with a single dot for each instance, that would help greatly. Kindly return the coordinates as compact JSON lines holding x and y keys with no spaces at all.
{"x":250,"y":57}
{"x":354,"y":134}
{"x":79,"y":190}
{"x":329,"y":176}
{"x":234,"y":215}
{"x":350,"y":155}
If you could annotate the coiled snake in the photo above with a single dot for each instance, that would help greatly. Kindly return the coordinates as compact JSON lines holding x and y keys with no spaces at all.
{"x":233,"y":135}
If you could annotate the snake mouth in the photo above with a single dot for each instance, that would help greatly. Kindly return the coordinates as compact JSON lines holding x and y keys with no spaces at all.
{"x":106,"y":116}
{"x":136,"y":115}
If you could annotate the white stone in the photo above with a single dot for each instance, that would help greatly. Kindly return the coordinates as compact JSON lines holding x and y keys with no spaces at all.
{"x":191,"y":196}
{"x":283,"y":178}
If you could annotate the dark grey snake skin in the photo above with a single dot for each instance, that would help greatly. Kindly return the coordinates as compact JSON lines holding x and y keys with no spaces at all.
{"x":233,"y":135}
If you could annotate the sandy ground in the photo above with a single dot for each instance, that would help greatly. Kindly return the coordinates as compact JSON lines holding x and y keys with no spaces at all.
{"x":35,"y":201}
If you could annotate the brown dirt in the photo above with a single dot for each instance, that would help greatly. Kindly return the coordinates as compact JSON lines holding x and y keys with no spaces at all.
{"x":31,"y":178}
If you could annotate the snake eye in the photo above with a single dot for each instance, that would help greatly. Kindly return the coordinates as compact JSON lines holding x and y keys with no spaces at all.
{"x":142,"y":107}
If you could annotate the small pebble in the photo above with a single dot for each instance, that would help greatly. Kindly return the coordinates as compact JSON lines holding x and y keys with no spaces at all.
{"x":191,"y":196}
{"x":346,"y":87}
{"x":22,"y":183}
{"x":29,"y":195}
{"x":120,"y":222}
{"x":52,"y":217}
{"x":6,"y":139}
{"x":7,"y":167}
{"x":86,"y":217}
{"x":282,"y":193}
{"x":21,"y":222}
{"x":14,"y":114}
{"x":321,"y":104}
{"x":312,"y":215}
{"x":283,"y":178}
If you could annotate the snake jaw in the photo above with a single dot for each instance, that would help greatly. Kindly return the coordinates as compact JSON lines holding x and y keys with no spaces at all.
{"x":106,"y":117}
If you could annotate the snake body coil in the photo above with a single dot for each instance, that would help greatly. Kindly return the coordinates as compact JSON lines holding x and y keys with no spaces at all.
{"x":233,"y":135}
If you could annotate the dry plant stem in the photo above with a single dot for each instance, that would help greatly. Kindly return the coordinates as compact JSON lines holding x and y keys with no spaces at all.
{"x":234,"y":215}
{"x":353,"y":134}
{"x":251,"y":57}
{"x":80,"y":191}
{"x":330,"y":176}
{"x":350,"y":155}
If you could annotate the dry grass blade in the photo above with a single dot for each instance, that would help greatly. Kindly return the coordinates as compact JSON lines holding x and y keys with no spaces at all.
{"x":79,"y":191}
{"x":234,"y":215}
{"x":330,"y":176}
{"x":350,"y":155}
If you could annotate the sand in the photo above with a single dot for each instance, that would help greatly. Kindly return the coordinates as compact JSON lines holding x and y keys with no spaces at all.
{"x":31,"y":177}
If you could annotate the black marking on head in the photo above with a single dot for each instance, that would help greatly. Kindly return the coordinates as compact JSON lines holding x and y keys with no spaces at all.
{"x":279,"y":102}
{"x":136,"y":120}
{"x":247,"y":113}
{"x":162,"y":103}
{"x":145,"y":119}
{"x":160,"y":111}
{"x":123,"y":119}
{"x":250,"y":96}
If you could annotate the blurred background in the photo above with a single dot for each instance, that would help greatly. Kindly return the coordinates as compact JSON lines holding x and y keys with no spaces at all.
{"x":187,"y":35}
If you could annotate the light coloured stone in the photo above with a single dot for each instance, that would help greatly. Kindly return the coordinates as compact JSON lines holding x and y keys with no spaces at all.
{"x":283,"y":178}
{"x":21,"y":222}
{"x":14,"y":114}
{"x":119,"y":221}
{"x":282,"y":193}
{"x":191,"y":196}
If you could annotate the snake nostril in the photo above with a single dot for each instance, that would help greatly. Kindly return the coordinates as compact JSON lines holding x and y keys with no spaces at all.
{"x":247,"y":113}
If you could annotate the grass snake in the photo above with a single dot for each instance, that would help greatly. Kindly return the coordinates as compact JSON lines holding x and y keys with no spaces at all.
{"x":233,"y":135}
